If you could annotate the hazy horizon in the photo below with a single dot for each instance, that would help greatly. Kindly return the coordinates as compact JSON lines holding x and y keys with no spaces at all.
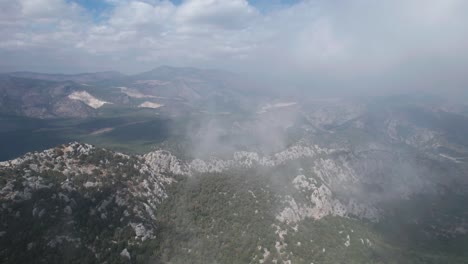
{"x":351,"y":46}
{"x":233,"y":131}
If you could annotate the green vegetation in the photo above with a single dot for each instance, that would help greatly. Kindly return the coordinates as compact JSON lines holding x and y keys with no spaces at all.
{"x":230,"y":218}
{"x":227,"y":217}
{"x":215,"y":218}
{"x":136,"y":134}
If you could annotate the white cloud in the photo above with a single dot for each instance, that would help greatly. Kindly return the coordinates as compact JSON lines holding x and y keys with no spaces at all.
{"x":323,"y":41}
{"x":139,"y":13}
{"x":223,"y":14}
{"x":41,"y":8}
{"x":48,"y":10}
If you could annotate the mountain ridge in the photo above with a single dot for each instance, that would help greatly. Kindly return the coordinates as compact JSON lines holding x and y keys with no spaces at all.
{"x":314,"y":179}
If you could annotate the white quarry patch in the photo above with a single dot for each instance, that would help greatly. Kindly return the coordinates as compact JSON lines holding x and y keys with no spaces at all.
{"x":87,"y":98}
{"x":268,"y":107}
{"x":150,"y":105}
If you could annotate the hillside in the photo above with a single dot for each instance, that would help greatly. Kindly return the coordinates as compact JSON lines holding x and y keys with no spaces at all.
{"x":304,"y":203}
{"x":183,"y":165}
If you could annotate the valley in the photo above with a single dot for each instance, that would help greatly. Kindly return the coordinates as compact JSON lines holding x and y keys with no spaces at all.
{"x":158,"y":172}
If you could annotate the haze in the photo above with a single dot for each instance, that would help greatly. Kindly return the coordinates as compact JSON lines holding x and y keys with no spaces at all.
{"x":345,"y":45}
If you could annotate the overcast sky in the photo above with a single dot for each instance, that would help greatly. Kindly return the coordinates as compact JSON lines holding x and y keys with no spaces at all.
{"x":404,"y":43}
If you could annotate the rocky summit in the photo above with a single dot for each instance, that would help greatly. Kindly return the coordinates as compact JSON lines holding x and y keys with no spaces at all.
{"x":77,"y":203}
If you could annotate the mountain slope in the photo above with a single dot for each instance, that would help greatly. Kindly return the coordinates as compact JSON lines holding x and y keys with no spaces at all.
{"x":78,"y":203}
{"x":177,"y":90}
{"x":41,"y":99}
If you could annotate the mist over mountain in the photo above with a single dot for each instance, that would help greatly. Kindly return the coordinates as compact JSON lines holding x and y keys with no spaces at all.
{"x":233,"y":131}
{"x":193,"y":165}
{"x":316,"y":45}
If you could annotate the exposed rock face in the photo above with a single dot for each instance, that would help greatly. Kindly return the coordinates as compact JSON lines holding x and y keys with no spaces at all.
{"x":150,"y":105}
{"x":125,"y":253}
{"x":77,"y":187}
{"x":336,"y":180}
{"x":252,"y":159}
{"x":41,"y":99}
{"x":321,"y":203}
{"x":72,"y":108}
{"x":86,"y":98}
{"x":164,"y":162}
{"x":65,"y":184}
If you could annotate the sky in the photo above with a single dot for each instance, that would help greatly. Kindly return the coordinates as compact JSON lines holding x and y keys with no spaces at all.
{"x":409,"y":44}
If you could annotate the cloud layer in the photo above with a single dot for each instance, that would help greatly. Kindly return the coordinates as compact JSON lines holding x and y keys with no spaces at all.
{"x":322,"y":43}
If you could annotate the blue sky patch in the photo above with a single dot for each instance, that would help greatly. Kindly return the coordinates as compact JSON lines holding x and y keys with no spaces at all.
{"x":98,"y":6}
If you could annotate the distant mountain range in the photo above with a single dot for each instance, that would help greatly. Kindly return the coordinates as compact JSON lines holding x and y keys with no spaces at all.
{"x":182,"y":165}
{"x":82,"y":77}
{"x":178,"y":89}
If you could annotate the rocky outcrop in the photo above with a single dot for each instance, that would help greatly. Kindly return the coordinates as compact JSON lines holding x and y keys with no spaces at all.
{"x":75,"y":188}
